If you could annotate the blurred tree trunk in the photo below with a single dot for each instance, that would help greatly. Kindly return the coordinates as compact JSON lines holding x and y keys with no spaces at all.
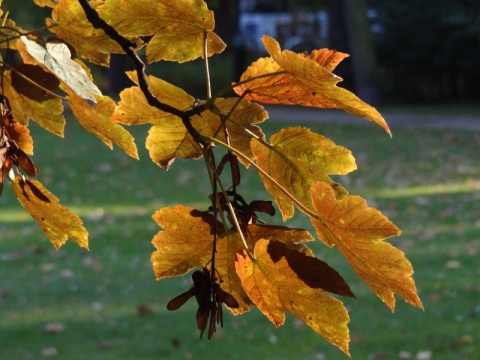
{"x":350,"y":32}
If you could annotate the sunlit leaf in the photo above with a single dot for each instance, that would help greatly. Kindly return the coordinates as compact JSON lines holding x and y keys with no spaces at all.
{"x":178,"y":27}
{"x":49,"y":3}
{"x":96,"y":120}
{"x":56,"y":221}
{"x":56,"y":57}
{"x":304,"y":80}
{"x":359,"y":232}
{"x":20,"y":134}
{"x":297,"y":158}
{"x":275,"y":288}
{"x":70,"y":24}
{"x":48,"y":114}
{"x":187,"y":239}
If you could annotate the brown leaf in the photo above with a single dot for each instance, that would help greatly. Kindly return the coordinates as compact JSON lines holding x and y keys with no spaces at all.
{"x":359,"y":231}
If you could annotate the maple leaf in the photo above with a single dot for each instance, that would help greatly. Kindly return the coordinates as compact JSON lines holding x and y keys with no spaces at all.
{"x":178,"y":27}
{"x":70,"y":24}
{"x":96,"y":120}
{"x":56,"y":221}
{"x":297,"y":158}
{"x":358,"y":231}
{"x":275,"y":288}
{"x":187,"y":239}
{"x":56,"y":57}
{"x":48,"y":114}
{"x":168,"y":138}
{"x":304,"y":80}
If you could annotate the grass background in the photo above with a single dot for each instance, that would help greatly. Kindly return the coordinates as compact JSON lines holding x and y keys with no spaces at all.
{"x":106,"y":304}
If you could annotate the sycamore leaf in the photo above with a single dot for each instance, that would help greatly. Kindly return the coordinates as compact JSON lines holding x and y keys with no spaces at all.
{"x":41,"y":80}
{"x":305,"y":80}
{"x":275,"y":288}
{"x":296,"y":159}
{"x":56,"y":57}
{"x":187,"y":240}
{"x":96,"y":120}
{"x":71,"y":25}
{"x":168,"y":138}
{"x":178,"y":27}
{"x":48,"y":114}
{"x":43,"y":3}
{"x":359,"y":231}
{"x":56,"y":221}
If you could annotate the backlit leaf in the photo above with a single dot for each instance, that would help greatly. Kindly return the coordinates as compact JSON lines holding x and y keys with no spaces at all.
{"x":70,"y":24}
{"x":48,"y":114}
{"x":305,"y":80}
{"x":296,"y":159}
{"x":96,"y":120}
{"x":42,"y":80}
{"x":56,"y":57}
{"x":359,"y":232}
{"x":275,"y":288}
{"x":178,"y":27}
{"x":20,"y":134}
{"x":187,"y":241}
{"x":56,"y":221}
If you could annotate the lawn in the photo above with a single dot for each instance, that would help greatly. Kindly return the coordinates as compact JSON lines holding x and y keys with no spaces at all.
{"x":106,"y":304}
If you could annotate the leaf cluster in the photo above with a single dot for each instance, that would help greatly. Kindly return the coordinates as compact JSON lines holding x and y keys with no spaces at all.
{"x":244,"y":261}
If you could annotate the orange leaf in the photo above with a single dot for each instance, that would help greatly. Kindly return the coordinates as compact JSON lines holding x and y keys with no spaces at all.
{"x":303,"y":80}
{"x":275,"y":288}
{"x":297,"y":158}
{"x":187,"y":241}
{"x":178,"y":27}
{"x":56,"y":221}
{"x":359,"y":231}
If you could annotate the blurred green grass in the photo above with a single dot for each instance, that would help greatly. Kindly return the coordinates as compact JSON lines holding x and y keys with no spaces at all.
{"x":106,"y":304}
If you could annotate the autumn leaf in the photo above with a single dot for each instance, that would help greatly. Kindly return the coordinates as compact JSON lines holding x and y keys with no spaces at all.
{"x":275,"y":288}
{"x":18,"y":133}
{"x":56,"y":57}
{"x":96,"y":120}
{"x":359,"y":232}
{"x":56,"y":221}
{"x":178,"y":27}
{"x":70,"y":24}
{"x":297,"y":158}
{"x":187,"y":239}
{"x":48,"y":3}
{"x":48,"y":114}
{"x":302,"y":80}
{"x":38,"y":85}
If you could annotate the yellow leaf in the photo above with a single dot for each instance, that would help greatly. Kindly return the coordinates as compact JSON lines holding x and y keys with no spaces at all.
{"x":96,"y":120}
{"x":359,"y":231}
{"x":49,"y":3}
{"x":304,"y":80}
{"x":48,"y":114}
{"x":275,"y":288}
{"x":187,"y":241}
{"x":71,"y":25}
{"x":296,"y":159}
{"x":56,"y":221}
{"x":178,"y":27}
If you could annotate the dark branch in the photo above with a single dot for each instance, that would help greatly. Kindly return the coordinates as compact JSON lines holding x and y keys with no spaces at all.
{"x":129,"y":48}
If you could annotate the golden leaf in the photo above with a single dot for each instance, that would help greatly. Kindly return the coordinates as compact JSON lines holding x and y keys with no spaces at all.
{"x":275,"y":288}
{"x":297,"y":158}
{"x":48,"y":114}
{"x":96,"y":120}
{"x":56,"y":221}
{"x":178,"y":27}
{"x":187,"y":241}
{"x":70,"y":24}
{"x":303,"y":80}
{"x":359,"y":231}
